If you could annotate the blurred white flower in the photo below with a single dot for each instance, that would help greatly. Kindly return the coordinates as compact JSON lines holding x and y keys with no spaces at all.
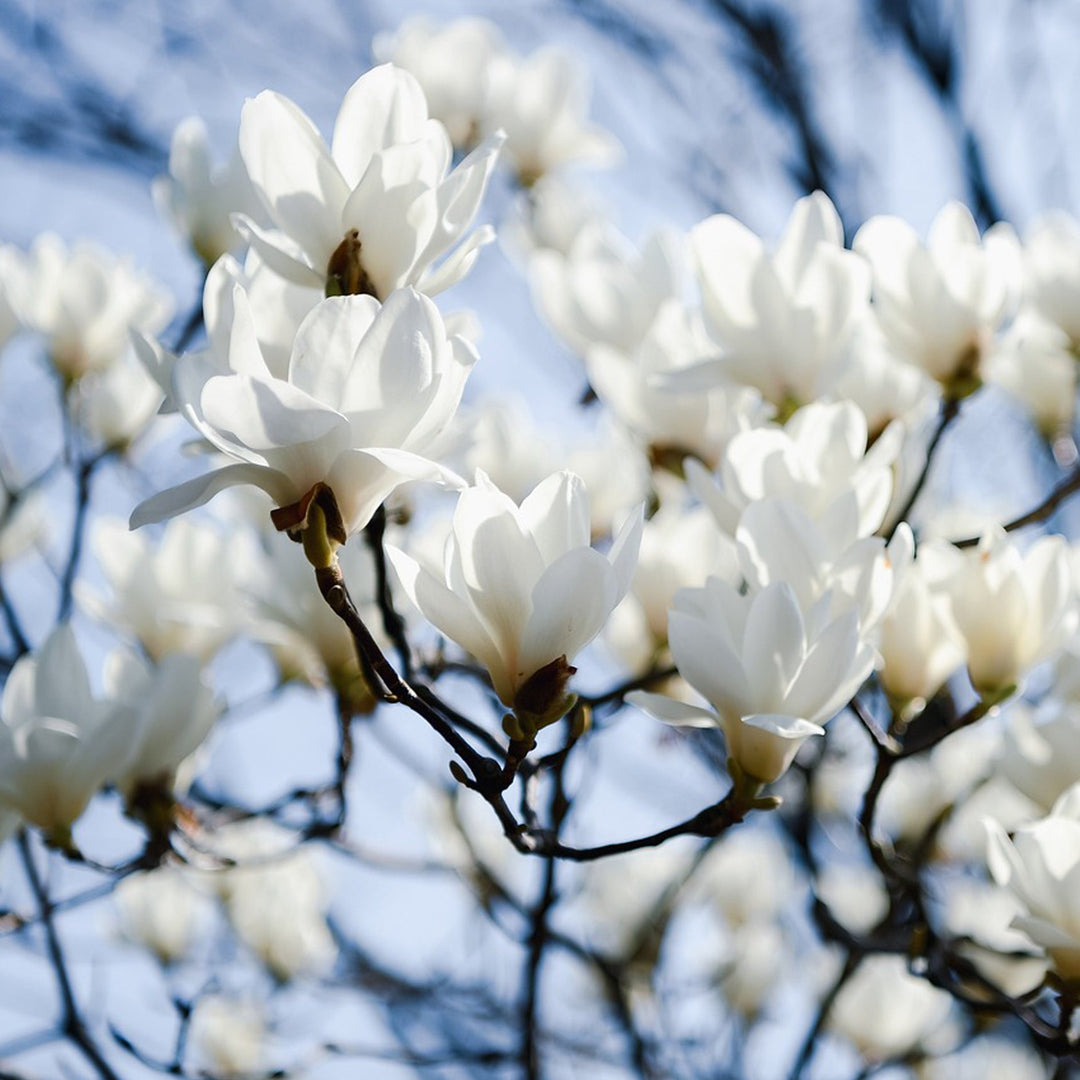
{"x":603,"y":291}
{"x":524,"y":592}
{"x":162,"y":911}
{"x":179,"y":595}
{"x":115,"y":405}
{"x":1040,"y":865}
{"x":198,"y":199}
{"x":987,"y":1058}
{"x":58,"y":745}
{"x":275,"y":899}
{"x":855,"y":895}
{"x":816,"y":460}
{"x":551,"y":214}
{"x":1051,"y":261}
{"x":542,"y":102}
{"x":939,"y":303}
{"x":886,"y":1012}
{"x":783,"y":321}
{"x":1013,"y":609}
{"x":229,"y":1035}
{"x":22,"y":523}
{"x":369,"y":387}
{"x":176,"y":709}
{"x":452,"y":63}
{"x":1040,"y":753}
{"x":308,"y":641}
{"x":748,"y":876}
{"x":771,"y":678}
{"x":751,"y":964}
{"x":374,"y":212}
{"x":1035,"y":363}
{"x":84,"y":301}
{"x":680,"y":547}
{"x":983,"y":914}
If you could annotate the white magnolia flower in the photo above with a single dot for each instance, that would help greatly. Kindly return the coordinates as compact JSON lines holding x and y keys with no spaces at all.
{"x":229,"y":1036}
{"x":817,"y":460}
{"x":452,"y":63}
{"x":748,"y":877}
{"x":176,"y":710}
{"x":1035,"y":363}
{"x":179,"y":595}
{"x":783,"y":320}
{"x":770,"y":678}
{"x":1051,"y":260}
{"x":603,"y":291}
{"x":855,"y":895}
{"x":115,"y":405}
{"x":1040,"y":754}
{"x":983,"y":915}
{"x":161,"y":911}
{"x":1041,"y":866}
{"x":939,"y":303}
{"x":275,"y":898}
{"x":885,"y":1011}
{"x":372,"y":213}
{"x":552,"y":214}
{"x":1014,"y":609}
{"x":542,"y":102}
{"x":198,"y":199}
{"x":369,"y":387}
{"x":84,"y":301}
{"x":751,"y":965}
{"x":58,"y":745}
{"x":521,"y":589}
{"x":883,"y":387}
{"x":649,"y":392}
{"x":828,"y":571}
{"x":987,"y":1058}
{"x":920,"y":643}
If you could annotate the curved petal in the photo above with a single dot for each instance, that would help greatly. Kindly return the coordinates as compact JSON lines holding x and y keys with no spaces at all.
{"x":676,"y":713}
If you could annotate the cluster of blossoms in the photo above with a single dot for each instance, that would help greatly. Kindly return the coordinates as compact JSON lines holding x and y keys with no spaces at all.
{"x":749,"y":531}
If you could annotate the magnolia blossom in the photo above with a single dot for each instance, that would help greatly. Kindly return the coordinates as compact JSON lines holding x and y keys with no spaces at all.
{"x":176,"y":710}
{"x":1035,"y":363}
{"x":1040,"y":753}
{"x":275,"y":898}
{"x":940,"y":303}
{"x":369,"y":387}
{"x":373,"y":212}
{"x":229,"y":1035}
{"x":770,"y":678}
{"x":58,"y":745}
{"x":1040,"y":865}
{"x":817,"y":460}
{"x":920,"y":644}
{"x":115,"y":405}
{"x":829,"y":571}
{"x":747,"y":877}
{"x":603,"y":291}
{"x":198,"y":199}
{"x":521,"y":589}
{"x":541,"y":102}
{"x":452,"y":64}
{"x":782,"y":320}
{"x":854,"y":895}
{"x":885,"y":1011}
{"x":1051,"y":261}
{"x":178,"y":595}
{"x":655,"y":393}
{"x":22,"y":523}
{"x":1013,"y":609}
{"x":982,"y":915}
{"x":162,"y":911}
{"x":84,"y":301}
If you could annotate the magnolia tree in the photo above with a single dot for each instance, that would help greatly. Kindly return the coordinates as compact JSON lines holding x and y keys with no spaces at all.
{"x":403,"y":731}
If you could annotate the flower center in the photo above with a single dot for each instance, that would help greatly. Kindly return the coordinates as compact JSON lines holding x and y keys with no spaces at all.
{"x":345,"y":273}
